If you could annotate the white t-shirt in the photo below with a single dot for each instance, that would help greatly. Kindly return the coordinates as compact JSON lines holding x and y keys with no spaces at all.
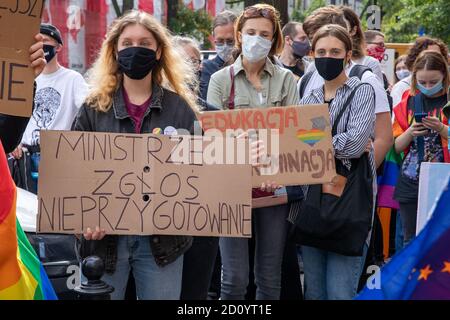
{"x":399,"y":89}
{"x":381,"y":100}
{"x":374,"y":65}
{"x":58,"y":97}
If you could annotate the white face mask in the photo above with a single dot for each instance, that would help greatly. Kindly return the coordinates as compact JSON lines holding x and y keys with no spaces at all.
{"x":402,"y":74}
{"x":255,"y":48}
{"x":224,"y":51}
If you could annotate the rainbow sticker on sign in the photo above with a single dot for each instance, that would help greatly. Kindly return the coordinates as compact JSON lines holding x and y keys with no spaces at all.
{"x":310,"y":137}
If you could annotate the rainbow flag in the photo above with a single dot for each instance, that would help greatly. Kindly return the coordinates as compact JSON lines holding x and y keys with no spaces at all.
{"x":22,"y":276}
{"x":388,"y":181}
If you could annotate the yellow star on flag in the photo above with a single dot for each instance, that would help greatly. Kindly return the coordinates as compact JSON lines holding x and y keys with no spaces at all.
{"x":424,"y":273}
{"x":446,"y":267}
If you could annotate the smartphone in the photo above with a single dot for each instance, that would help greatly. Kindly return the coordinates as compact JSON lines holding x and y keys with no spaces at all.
{"x":419,"y":116}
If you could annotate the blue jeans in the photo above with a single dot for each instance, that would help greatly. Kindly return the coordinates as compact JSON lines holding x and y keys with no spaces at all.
{"x":331,"y":276}
{"x":398,"y":233}
{"x":270,"y":230}
{"x":152,"y":281}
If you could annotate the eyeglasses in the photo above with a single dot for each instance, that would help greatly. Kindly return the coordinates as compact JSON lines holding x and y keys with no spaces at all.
{"x":380,"y":44}
{"x":254,"y":12}
{"x":222,"y":42}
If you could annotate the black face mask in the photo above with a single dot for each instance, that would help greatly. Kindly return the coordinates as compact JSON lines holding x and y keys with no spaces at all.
{"x":137,"y":62}
{"x":329,"y":68}
{"x":49,"y":52}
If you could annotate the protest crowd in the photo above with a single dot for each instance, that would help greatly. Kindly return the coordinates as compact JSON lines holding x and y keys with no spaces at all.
{"x":317,"y":242}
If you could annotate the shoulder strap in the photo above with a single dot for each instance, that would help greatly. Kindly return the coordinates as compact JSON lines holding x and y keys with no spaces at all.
{"x":418,"y":108}
{"x":231,"y":97}
{"x":358,"y":70}
{"x":344,"y":107}
{"x":418,"y":103}
{"x":304,"y":82}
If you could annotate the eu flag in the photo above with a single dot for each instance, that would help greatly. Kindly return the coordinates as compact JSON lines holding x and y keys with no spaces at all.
{"x":422,"y":269}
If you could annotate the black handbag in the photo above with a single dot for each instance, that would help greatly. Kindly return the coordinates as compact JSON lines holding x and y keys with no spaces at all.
{"x":339,"y":224}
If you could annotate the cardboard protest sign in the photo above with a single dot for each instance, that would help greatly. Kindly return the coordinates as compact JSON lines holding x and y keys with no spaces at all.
{"x":269,"y":201}
{"x":298,"y":141}
{"x":19,"y":23}
{"x":135,"y":184}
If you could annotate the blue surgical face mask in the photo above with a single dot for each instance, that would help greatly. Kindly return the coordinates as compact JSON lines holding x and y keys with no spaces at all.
{"x":402,"y":74}
{"x":429,"y":92}
{"x":255,"y":48}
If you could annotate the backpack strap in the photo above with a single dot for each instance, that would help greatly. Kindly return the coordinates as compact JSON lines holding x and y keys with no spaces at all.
{"x":358,"y":70}
{"x":231,"y":97}
{"x":304,"y":82}
{"x":418,"y":108}
{"x":344,"y":107}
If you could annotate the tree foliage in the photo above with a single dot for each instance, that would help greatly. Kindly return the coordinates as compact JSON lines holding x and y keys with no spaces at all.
{"x":299,"y":15}
{"x":402,"y":19}
{"x":195,"y":24}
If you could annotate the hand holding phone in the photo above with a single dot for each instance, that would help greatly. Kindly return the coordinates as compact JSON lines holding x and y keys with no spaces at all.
{"x":417,"y":129}
{"x":419,"y":116}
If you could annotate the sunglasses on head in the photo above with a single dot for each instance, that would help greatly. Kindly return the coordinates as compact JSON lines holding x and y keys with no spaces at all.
{"x":253,"y":12}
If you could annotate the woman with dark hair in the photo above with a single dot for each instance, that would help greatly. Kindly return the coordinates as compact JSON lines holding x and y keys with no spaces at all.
{"x":330,"y":275}
{"x":421,"y":44}
{"x":420,"y":131}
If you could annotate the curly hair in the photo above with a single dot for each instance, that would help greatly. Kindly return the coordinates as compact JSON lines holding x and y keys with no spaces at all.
{"x":172,"y":72}
{"x":421,"y":44}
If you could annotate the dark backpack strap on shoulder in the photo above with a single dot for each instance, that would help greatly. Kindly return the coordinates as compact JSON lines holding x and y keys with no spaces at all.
{"x":358,"y":70}
{"x":231,"y":97}
{"x":304,"y":82}
{"x":344,"y":107}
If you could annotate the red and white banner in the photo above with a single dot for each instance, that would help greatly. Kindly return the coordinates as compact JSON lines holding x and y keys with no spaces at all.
{"x":84,"y":23}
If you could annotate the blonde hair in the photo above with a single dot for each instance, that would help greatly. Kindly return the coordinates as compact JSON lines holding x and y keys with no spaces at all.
{"x":181,"y":42}
{"x":172,"y":72}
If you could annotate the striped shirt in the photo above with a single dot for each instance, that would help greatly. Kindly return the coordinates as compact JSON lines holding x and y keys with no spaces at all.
{"x":354,"y":129}
{"x":357,"y":123}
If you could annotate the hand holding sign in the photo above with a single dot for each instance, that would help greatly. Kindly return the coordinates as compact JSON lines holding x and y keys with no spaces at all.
{"x":37,"y":59}
{"x":97,"y":234}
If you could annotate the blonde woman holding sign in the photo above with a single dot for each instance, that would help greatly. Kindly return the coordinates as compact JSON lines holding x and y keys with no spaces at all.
{"x":139,"y":84}
{"x":253,"y":80}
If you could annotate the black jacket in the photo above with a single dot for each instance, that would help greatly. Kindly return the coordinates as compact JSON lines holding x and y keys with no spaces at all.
{"x":166,"y":108}
{"x":209,"y":67}
{"x":11,"y":131}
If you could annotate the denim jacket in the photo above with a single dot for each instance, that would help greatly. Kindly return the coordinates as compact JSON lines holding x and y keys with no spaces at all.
{"x":166,"y":108}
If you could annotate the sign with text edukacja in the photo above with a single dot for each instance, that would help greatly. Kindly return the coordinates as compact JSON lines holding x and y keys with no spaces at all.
{"x":297,"y":140}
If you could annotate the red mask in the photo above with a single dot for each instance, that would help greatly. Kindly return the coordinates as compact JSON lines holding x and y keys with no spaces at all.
{"x":376,"y":52}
